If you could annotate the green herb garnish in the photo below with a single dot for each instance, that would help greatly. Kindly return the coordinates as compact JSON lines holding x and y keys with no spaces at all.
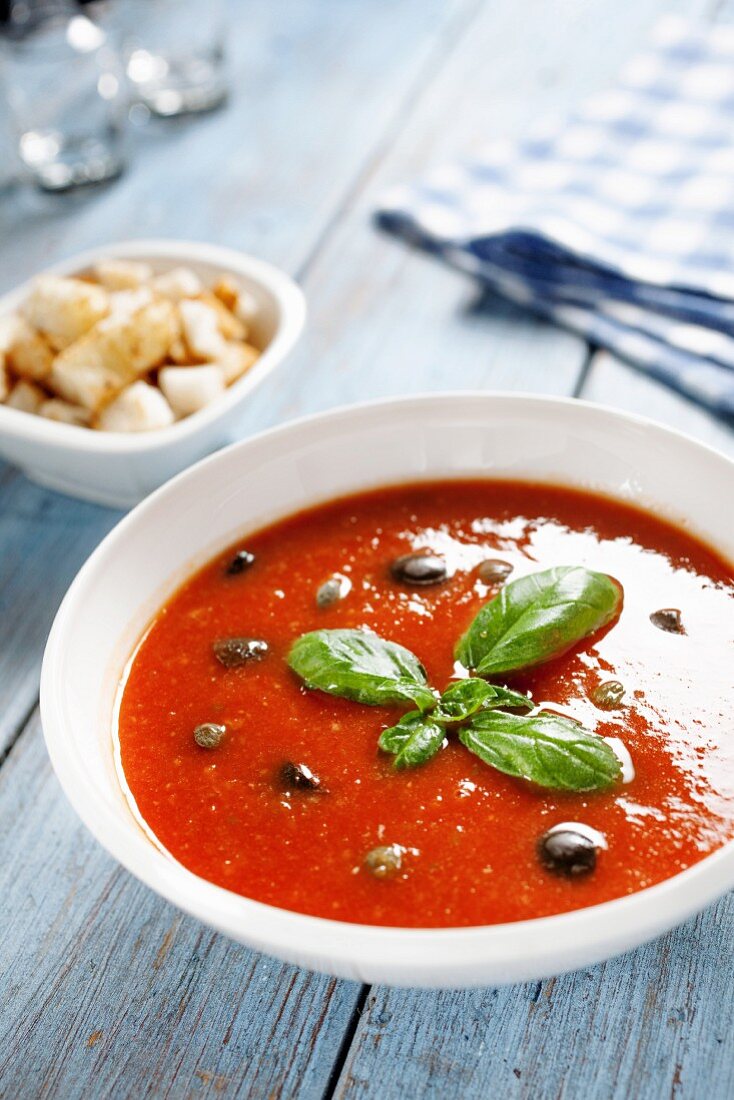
{"x":361,"y":666}
{"x":538,"y":617}
{"x":530,"y":621}
{"x":414,"y":740}
{"x":544,"y":748}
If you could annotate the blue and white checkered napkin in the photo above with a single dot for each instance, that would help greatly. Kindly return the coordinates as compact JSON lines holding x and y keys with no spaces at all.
{"x":618,"y":222}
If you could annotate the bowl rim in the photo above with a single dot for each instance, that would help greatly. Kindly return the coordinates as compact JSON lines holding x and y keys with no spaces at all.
{"x":433,"y":957}
{"x":291,"y":305}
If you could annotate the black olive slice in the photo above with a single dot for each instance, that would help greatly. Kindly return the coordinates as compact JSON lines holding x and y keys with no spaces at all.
{"x":419,"y":569}
{"x":209,"y":735}
{"x":494,"y":570}
{"x":668,"y":619}
{"x":232,"y":652}
{"x":569,"y":849}
{"x":242,"y":560}
{"x":299,"y":777}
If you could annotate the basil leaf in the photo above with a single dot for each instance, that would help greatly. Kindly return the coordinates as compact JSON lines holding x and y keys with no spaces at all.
{"x":414,"y":740}
{"x":509,"y":700}
{"x":360,"y":666}
{"x":463,"y":699}
{"x":546,"y":749}
{"x":536,"y":618}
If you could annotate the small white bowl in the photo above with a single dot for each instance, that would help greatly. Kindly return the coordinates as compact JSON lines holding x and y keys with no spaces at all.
{"x":253,"y":483}
{"x":120,"y":469}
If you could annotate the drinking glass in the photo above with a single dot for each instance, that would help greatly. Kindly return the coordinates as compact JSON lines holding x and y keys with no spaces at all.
{"x":174,"y":54}
{"x":64,"y":87}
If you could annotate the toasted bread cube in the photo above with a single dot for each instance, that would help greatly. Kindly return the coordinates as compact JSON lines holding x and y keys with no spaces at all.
{"x":139,"y":408}
{"x":247,"y":308}
{"x":189,"y":389}
{"x":64,"y":413}
{"x":64,"y":309}
{"x":122,"y":274}
{"x":240,"y":302}
{"x":238,"y":359}
{"x":123,"y":303}
{"x":178,"y":283}
{"x":179,"y":352}
{"x":115,"y":353}
{"x":28,"y":354}
{"x":230,"y":326}
{"x":201,"y":330}
{"x":4,"y":379}
{"x":26,"y":397}
{"x":11,"y":326}
{"x":228,"y":292}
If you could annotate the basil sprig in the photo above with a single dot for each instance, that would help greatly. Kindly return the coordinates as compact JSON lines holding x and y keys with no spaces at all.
{"x":361,"y":666}
{"x":531,"y":621}
{"x":417,"y":737}
{"x":544,"y":748}
{"x":464,"y":698}
{"x":538,"y":617}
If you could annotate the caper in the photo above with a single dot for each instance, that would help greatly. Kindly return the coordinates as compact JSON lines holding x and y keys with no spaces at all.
{"x":607,"y":696}
{"x":333,"y":590}
{"x":668,"y":619}
{"x":299,"y":777}
{"x":419,"y":569}
{"x":494,"y":570}
{"x":384,"y":861}
{"x":242,"y":560}
{"x":568,"y":849}
{"x":209,"y":735}
{"x":232,"y":652}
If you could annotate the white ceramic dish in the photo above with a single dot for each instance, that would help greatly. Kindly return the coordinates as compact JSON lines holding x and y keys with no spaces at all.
{"x":246,"y":486}
{"x":120,"y":469}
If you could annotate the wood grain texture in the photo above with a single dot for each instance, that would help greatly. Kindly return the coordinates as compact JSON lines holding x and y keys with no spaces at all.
{"x":106,"y":991}
{"x":654,"y":1023}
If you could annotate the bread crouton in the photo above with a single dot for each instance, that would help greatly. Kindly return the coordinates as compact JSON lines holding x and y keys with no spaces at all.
{"x":64,"y":309}
{"x":189,"y":389}
{"x":64,"y":413}
{"x":26,"y":397}
{"x":230,"y":326}
{"x":139,"y":408}
{"x":122,"y":274}
{"x":238,"y":359}
{"x":28,"y":355}
{"x":200,"y":325}
{"x":178,"y":283}
{"x":4,"y":378}
{"x":115,"y":353}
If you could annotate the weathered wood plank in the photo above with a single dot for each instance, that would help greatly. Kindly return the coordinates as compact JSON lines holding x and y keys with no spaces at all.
{"x":44,"y":538}
{"x":654,"y":1023}
{"x":106,"y":991}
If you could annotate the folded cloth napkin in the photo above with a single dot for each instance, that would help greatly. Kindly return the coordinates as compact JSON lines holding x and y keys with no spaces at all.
{"x":617,"y":222}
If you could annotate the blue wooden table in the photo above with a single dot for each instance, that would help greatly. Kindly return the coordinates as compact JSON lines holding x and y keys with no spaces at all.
{"x":105,"y":990}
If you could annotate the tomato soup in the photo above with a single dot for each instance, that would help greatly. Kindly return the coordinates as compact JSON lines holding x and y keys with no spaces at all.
{"x":286,"y":797}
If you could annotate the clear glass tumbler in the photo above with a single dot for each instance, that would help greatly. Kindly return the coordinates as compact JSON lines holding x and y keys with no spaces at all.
{"x":65,"y":89}
{"x":174,"y":54}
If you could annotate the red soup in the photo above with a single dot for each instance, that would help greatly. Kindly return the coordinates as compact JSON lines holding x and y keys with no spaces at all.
{"x":253,"y":776}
